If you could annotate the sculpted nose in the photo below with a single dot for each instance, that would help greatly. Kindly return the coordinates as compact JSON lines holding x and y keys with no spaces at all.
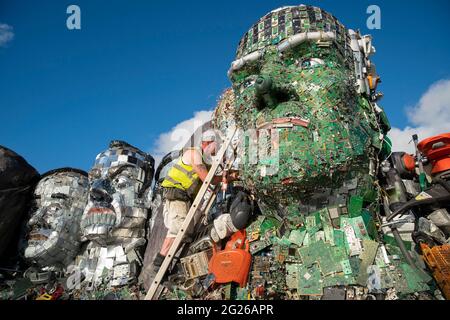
{"x":35,"y":218}
{"x":264,"y":90}
{"x":263,"y":83}
{"x":99,"y":191}
{"x":267,"y":93}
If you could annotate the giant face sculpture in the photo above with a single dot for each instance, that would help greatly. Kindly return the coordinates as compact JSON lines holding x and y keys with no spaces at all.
{"x":59,"y":200}
{"x":117,"y":208}
{"x":306,"y":90}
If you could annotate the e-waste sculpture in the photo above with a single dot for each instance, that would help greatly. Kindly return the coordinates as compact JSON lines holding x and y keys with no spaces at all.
{"x":313,"y":139}
{"x":114,"y":222}
{"x":53,"y":238}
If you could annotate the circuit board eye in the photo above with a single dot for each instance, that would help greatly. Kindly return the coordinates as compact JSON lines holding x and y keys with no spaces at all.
{"x":311,"y":63}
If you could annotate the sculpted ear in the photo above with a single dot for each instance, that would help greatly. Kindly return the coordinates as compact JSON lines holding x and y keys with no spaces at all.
{"x":148,"y":198}
{"x":149,"y":174}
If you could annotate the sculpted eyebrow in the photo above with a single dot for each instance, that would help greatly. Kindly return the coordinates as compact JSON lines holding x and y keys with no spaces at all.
{"x":60,"y":196}
{"x":119,"y":170}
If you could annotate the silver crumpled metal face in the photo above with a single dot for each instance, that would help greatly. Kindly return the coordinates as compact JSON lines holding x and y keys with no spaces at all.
{"x":53,"y":236}
{"x":115,"y":218}
{"x":117,"y":209}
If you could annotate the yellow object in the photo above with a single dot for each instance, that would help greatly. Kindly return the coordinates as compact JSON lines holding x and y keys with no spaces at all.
{"x":373,"y":81}
{"x":181,"y":176}
{"x":44,"y":296}
{"x":438,"y":260}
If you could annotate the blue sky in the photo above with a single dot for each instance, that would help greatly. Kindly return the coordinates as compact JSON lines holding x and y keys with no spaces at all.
{"x":138,"y":68}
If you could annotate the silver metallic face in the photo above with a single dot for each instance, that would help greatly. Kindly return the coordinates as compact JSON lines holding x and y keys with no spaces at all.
{"x":117,"y":206}
{"x":53,"y":237}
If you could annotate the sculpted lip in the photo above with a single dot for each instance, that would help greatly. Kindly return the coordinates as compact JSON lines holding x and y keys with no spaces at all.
{"x":100,"y":210}
{"x":37,"y":237}
{"x":99,"y":215}
{"x":284,"y":122}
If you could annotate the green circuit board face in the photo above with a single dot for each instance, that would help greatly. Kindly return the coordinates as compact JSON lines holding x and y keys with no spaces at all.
{"x":338,"y":134}
{"x":311,"y":128}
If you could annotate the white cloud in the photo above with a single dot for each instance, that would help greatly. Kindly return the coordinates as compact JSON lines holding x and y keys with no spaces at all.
{"x":6,"y":34}
{"x":431,"y":116}
{"x":176,"y":138}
